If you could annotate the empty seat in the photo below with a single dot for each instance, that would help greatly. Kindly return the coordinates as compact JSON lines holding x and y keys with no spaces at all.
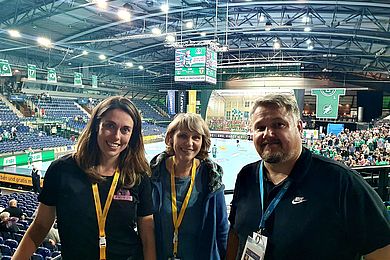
{"x":36,"y":256}
{"x":12,"y":243}
{"x":5,"y":250}
{"x":43,"y":251}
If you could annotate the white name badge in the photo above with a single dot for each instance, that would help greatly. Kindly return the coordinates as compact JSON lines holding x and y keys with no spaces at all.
{"x":255,"y":247}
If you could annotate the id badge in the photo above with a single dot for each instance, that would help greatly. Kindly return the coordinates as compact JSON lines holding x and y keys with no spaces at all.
{"x":254,"y":247}
{"x":174,"y":258}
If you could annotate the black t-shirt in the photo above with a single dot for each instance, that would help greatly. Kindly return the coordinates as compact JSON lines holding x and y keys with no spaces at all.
{"x":68,"y":188}
{"x":329,"y":212}
{"x":14,"y":212}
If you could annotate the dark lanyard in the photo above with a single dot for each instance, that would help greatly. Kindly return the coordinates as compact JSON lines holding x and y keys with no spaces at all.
{"x":271,"y":207}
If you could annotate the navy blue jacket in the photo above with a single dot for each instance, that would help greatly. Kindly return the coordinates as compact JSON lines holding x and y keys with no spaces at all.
{"x":214,"y":231}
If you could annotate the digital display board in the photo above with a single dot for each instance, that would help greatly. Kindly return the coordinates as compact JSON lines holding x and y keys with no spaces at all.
{"x":196,"y":64}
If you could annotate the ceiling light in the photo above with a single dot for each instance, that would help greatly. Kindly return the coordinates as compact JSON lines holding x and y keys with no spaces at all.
{"x":170,"y":38}
{"x":102,"y":4}
{"x":306,"y":19}
{"x":310,"y":46}
{"x":203,"y":34}
{"x":277,"y":45}
{"x":261,"y":18}
{"x":44,"y":42}
{"x":189,"y":25}
{"x":268,"y":26}
{"x":102,"y":57}
{"x":156,"y":31}
{"x":124,"y":14}
{"x":14,"y":33}
{"x":165,"y":8}
{"x":129,"y":64}
{"x":307,"y":29}
{"x":141,"y":67}
{"x":308,"y":41}
{"x":85,"y":52}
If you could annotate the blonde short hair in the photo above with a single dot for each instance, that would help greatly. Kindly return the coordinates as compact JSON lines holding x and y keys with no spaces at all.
{"x":193,"y":123}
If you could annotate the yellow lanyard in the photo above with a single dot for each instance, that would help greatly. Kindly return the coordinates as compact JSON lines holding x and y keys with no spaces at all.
{"x":101,"y":216}
{"x":177,"y":220}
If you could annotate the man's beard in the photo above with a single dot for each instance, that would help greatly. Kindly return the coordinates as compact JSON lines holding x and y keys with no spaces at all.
{"x":276,"y":157}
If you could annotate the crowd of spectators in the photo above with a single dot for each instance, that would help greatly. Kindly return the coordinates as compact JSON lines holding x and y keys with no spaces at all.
{"x":355,"y":148}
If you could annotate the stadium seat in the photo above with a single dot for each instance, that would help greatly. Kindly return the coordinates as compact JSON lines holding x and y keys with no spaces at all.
{"x":18,"y":237}
{"x":55,"y":253}
{"x":12,"y":243}
{"x":36,"y":256}
{"x":5,"y":250}
{"x":43,"y":251}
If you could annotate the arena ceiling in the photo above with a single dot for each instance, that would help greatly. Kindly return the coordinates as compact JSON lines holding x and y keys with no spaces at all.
{"x":342,"y":41}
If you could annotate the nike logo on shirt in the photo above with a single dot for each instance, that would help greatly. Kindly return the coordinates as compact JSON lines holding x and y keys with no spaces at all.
{"x":298,"y":200}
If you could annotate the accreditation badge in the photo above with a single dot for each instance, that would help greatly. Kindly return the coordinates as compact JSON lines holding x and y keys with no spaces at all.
{"x":255,"y":247}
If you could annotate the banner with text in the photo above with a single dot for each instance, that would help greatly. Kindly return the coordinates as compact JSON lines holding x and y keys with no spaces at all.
{"x":182,"y":101}
{"x":171,"y":102}
{"x":31,"y":72}
{"x":191,"y":101}
{"x":5,"y":68}
{"x":94,"y":81}
{"x":51,"y":75}
{"x":78,"y":79}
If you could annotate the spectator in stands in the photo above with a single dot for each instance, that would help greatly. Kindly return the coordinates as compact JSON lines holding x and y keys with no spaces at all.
{"x":198,"y":194}
{"x":29,"y":152}
{"x":51,"y":239}
{"x":8,"y":223}
{"x":110,"y":161}
{"x":14,"y":210}
{"x":310,"y":207}
{"x":36,"y":179}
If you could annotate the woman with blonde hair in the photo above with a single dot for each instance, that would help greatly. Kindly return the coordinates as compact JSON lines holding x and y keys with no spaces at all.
{"x":99,"y":194}
{"x":188,"y":194}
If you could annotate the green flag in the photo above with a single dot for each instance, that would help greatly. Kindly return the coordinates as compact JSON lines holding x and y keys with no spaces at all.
{"x":5,"y":68}
{"x":77,"y":80}
{"x":327,"y":102}
{"x":94,"y":81}
{"x":31,"y":72}
{"x":51,"y":75}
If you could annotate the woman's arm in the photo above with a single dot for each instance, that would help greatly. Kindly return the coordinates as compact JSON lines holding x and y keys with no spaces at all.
{"x":146,"y":232}
{"x":36,"y":232}
{"x":381,"y":253}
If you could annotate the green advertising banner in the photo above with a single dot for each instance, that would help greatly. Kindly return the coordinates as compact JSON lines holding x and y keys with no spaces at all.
{"x":22,"y":159}
{"x":327,"y":102}
{"x":94,"y":81}
{"x":211,"y":66}
{"x":31,"y":72}
{"x":77,"y":80}
{"x":5,"y":68}
{"x":51,"y":75}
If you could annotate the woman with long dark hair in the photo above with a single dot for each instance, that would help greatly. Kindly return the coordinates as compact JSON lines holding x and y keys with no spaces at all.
{"x":101,"y":194}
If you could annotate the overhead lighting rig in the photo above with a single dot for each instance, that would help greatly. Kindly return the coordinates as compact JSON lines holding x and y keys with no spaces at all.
{"x":216,"y":46}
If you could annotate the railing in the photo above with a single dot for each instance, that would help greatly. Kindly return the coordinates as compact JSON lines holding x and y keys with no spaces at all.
{"x":376,"y":176}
